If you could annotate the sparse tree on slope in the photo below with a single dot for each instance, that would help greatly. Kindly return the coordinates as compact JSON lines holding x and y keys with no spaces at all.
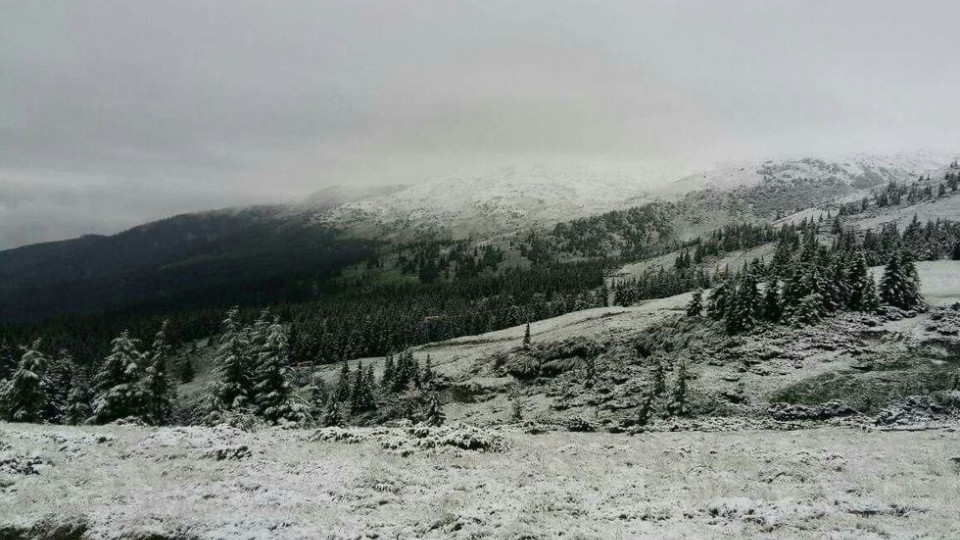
{"x":645,"y":410}
{"x":386,"y":380}
{"x":361,"y":397}
{"x":159,"y":393}
{"x":24,"y":396}
{"x":695,"y":307}
{"x":719,"y":301}
{"x":435,"y":416}
{"x":342,"y":391}
{"x":526,"y":336}
{"x":117,"y":385}
{"x":428,"y":374}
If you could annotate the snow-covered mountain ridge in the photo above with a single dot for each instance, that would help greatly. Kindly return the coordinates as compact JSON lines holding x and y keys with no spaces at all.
{"x":522,"y":197}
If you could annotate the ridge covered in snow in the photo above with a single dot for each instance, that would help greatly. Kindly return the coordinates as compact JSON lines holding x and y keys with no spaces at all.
{"x":515,"y":198}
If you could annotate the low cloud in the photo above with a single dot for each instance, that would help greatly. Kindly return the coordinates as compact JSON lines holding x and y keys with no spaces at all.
{"x":116,"y":112}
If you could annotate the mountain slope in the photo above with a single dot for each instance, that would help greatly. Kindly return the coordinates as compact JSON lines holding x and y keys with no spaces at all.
{"x":282,"y":252}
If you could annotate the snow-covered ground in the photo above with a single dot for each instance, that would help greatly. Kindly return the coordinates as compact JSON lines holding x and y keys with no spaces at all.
{"x":124,"y":482}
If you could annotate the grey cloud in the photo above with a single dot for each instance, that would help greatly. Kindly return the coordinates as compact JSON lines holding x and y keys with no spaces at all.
{"x":246,"y":100}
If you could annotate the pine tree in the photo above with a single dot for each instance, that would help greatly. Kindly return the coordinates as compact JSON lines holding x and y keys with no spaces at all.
{"x":899,"y":286}
{"x":386,"y":380}
{"x":861,"y":284}
{"x":428,"y":374}
{"x":78,"y":409}
{"x":59,"y":374}
{"x":187,"y":371}
{"x":8,"y":361}
{"x":695,"y":307}
{"x":645,"y":410}
{"x":234,"y":366}
{"x":808,"y":312}
{"x":371,"y":379}
{"x":772,"y":304}
{"x":361,"y":398}
{"x":24,"y":397}
{"x":526,"y":336}
{"x":333,"y":417}
{"x":342,"y":391}
{"x":745,"y":306}
{"x":434,"y":416}
{"x":719,"y":301}
{"x":117,"y":389}
{"x":158,"y":392}
{"x":272,"y":393}
{"x":871,"y":300}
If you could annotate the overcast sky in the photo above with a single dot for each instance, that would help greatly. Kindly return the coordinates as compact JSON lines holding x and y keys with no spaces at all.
{"x":112,"y":113}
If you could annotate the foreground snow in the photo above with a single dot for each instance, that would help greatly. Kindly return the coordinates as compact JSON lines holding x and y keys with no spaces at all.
{"x":110,"y":482}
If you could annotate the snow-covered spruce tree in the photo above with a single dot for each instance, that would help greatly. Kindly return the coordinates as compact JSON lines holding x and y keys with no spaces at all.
{"x":645,"y":409}
{"x":371,"y":379}
{"x":808,"y":312}
{"x":428,"y":374}
{"x":78,"y":409}
{"x":332,"y":416}
{"x":159,"y":394}
{"x":695,"y":307}
{"x":859,"y":280}
{"x":386,"y":379}
{"x":434,"y":415}
{"x":745,"y":306}
{"x":871,"y":300}
{"x":233,"y":388}
{"x":24,"y":397}
{"x":271,"y":392}
{"x":8,"y":361}
{"x":839,"y":280}
{"x":117,"y":389}
{"x":59,"y":373}
{"x":794,"y":289}
{"x":361,"y":397}
{"x":772,"y":303}
{"x":678,"y":399}
{"x":187,"y":371}
{"x":342,"y":392}
{"x":719,"y":301}
{"x":900,"y":286}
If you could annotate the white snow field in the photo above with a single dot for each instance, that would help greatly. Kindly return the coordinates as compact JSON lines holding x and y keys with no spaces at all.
{"x":167,"y":483}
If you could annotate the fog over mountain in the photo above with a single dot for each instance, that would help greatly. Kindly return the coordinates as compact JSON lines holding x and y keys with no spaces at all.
{"x":112,"y":114}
